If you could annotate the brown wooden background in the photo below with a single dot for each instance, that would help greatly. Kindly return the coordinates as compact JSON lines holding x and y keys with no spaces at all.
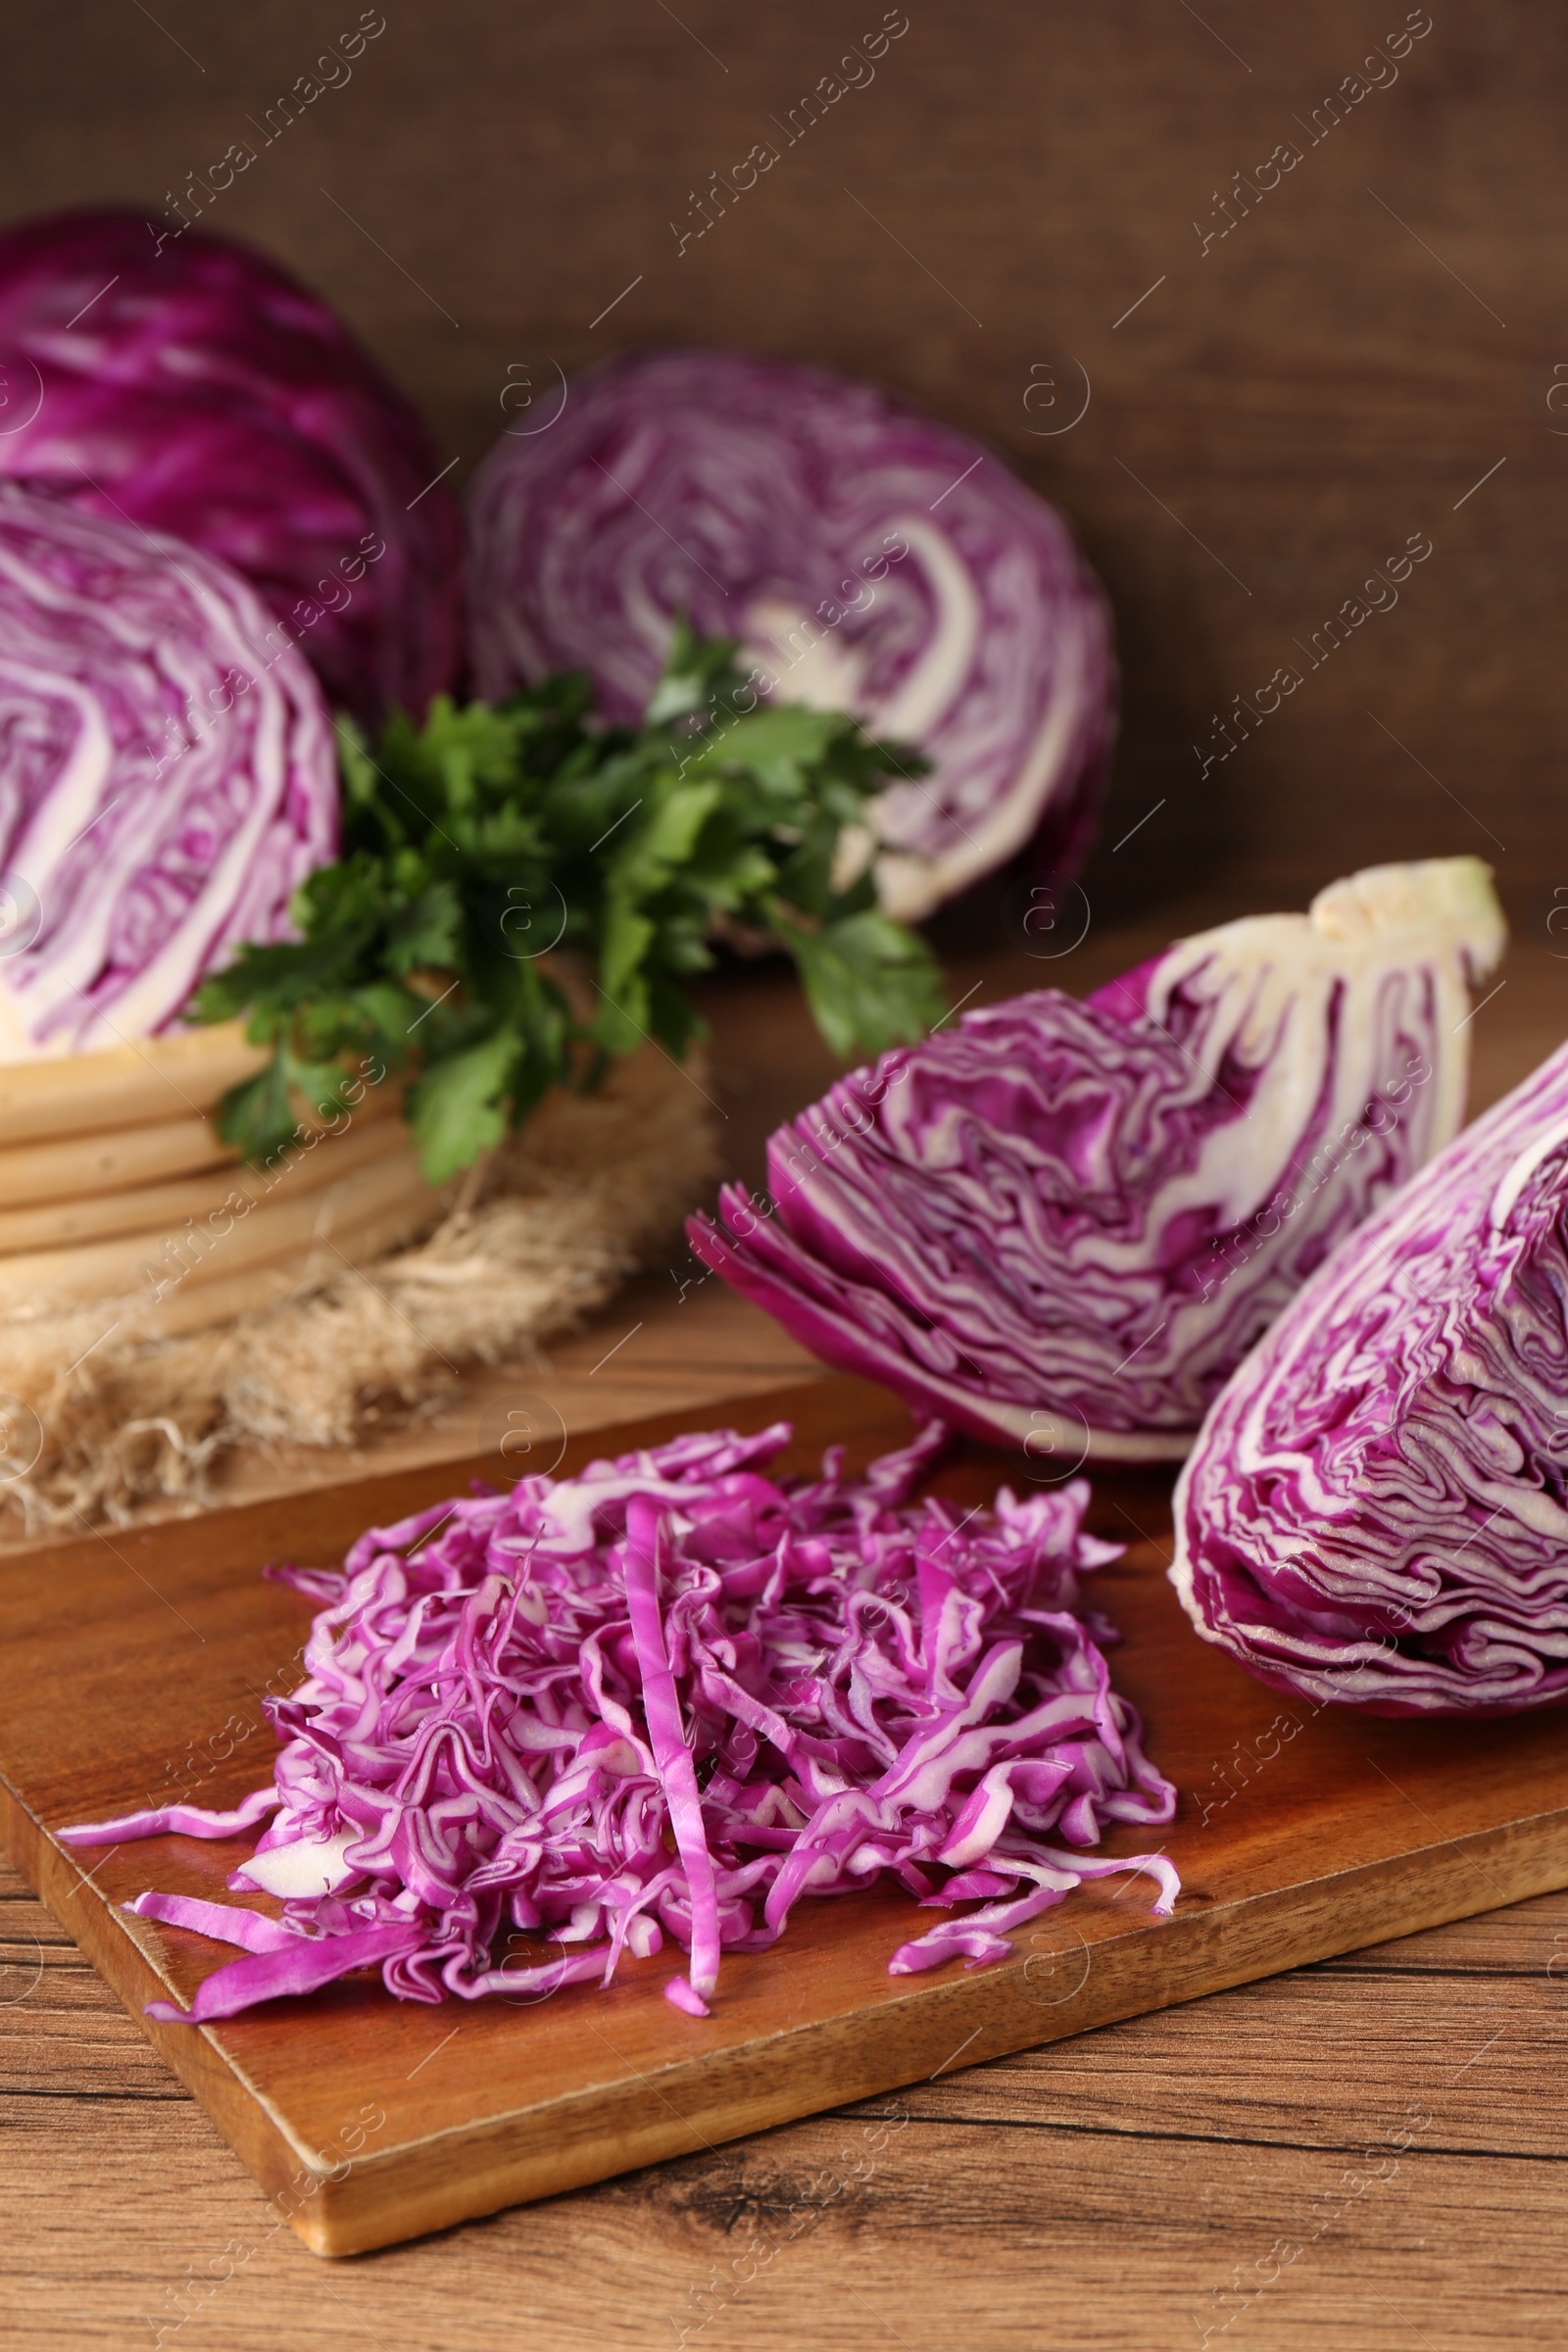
{"x":1300,"y":398}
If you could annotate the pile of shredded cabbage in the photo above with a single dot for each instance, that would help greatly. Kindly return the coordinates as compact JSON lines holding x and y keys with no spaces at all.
{"x":667,"y":1697}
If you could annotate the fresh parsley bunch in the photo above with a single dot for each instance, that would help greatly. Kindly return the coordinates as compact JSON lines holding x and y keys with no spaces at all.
{"x":477,"y":845}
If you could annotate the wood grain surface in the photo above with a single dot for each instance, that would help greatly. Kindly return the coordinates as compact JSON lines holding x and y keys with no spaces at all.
{"x":1120,"y":2192}
{"x":1300,"y":1830}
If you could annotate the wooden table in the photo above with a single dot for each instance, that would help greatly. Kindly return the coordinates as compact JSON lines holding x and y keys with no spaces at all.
{"x":1098,"y":2193}
{"x":1134,"y":2188}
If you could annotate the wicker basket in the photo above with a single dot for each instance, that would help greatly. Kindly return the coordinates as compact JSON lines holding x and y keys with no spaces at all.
{"x":116,"y":1195}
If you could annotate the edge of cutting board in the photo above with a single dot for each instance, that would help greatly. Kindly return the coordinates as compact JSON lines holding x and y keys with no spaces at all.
{"x":452,"y":2175}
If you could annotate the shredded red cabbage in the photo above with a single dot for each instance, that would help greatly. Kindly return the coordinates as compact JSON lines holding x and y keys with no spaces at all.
{"x":671,"y":1695}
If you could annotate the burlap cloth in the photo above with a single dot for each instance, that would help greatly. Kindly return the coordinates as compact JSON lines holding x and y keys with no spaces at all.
{"x":590,"y":1190}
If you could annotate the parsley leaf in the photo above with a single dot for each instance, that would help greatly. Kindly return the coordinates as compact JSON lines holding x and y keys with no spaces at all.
{"x":495,"y":847}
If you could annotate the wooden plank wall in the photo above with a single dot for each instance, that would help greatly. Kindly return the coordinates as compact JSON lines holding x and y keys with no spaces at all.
{"x":1293,"y":398}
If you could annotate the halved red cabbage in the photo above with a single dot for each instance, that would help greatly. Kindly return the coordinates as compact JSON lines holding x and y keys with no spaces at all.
{"x":1065,"y":1223}
{"x":1377,"y":1509}
{"x":189,"y":383}
{"x":166,"y":776}
{"x":870,"y":559}
{"x":673,"y":1695}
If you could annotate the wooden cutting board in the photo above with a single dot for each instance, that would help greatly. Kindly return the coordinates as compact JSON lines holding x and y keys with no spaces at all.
{"x":134,"y":1663}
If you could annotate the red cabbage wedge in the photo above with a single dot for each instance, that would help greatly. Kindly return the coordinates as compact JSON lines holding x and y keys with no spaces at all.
{"x":872,"y":559}
{"x":1065,"y":1223}
{"x":1377,"y":1510}
{"x":169,"y":778}
{"x":668,"y":1697}
{"x":187,"y":382}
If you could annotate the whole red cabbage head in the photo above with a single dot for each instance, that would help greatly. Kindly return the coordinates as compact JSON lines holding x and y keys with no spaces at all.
{"x":868,"y":558}
{"x":186,"y":382}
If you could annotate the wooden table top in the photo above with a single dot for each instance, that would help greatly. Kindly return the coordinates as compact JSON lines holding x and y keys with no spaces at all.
{"x":1127,"y":2190}
{"x":1365,"y":2152}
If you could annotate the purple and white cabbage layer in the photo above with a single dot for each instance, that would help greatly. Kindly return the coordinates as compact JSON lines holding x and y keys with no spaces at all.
{"x":870,"y":559}
{"x":1063,"y":1223}
{"x":168,"y":777}
{"x":189,"y":383}
{"x":670,"y":1697}
{"x":1377,"y":1509}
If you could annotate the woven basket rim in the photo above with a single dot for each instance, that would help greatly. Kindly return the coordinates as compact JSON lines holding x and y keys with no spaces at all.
{"x":141,"y":1083}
